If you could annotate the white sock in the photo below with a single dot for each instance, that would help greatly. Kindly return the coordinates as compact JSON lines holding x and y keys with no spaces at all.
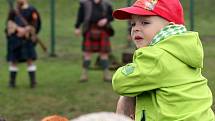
{"x":32,"y":67}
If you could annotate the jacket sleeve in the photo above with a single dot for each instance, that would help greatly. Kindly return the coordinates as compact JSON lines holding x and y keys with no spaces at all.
{"x":109,"y":14}
{"x":141,"y":75}
{"x":11,"y":15}
{"x":80,"y":15}
{"x":36,"y":20}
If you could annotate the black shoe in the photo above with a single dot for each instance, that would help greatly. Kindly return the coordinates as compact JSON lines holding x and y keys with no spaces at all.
{"x":32,"y":85}
{"x":12,"y":84}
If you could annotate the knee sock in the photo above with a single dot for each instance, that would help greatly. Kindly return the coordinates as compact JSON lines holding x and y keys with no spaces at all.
{"x":104,"y":64}
{"x":13,"y":72}
{"x":12,"y":81}
{"x":106,"y":74}
{"x":32,"y":75}
{"x":86,"y":64}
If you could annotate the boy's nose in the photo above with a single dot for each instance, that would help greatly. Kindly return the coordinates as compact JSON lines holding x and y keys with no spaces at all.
{"x":136,"y":28}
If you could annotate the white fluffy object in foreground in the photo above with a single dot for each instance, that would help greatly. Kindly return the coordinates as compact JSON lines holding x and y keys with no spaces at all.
{"x":102,"y":116}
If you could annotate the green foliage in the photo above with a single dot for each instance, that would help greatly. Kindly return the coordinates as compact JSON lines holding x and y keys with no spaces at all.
{"x":58,"y":90}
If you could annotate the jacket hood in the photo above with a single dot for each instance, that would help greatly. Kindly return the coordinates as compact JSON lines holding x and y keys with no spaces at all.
{"x":186,"y":47}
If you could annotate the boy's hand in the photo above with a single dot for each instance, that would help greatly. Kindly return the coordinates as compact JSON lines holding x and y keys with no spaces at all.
{"x":126,"y":106}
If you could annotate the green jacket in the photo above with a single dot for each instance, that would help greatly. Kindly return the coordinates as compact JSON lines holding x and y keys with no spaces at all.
{"x":167,"y":82}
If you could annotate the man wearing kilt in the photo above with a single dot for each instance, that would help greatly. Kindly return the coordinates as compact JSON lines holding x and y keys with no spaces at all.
{"x":95,"y":15}
{"x":22,"y":22}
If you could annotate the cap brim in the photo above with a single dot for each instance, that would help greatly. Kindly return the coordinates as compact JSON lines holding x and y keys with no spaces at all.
{"x":125,"y":13}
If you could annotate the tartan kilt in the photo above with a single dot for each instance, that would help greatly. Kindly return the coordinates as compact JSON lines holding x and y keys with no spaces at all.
{"x":20,"y":50}
{"x":101,"y":44}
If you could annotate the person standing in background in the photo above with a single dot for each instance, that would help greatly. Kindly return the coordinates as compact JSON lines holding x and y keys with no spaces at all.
{"x":23,"y":24}
{"x":95,"y":15}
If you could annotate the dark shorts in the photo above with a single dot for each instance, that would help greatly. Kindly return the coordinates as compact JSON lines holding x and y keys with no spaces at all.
{"x":96,"y":43}
{"x":20,"y":50}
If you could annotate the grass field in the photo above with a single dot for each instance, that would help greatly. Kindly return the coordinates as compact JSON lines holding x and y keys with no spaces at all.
{"x":58,"y":90}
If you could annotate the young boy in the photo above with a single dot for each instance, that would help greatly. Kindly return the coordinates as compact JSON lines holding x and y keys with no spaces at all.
{"x":165,"y":75}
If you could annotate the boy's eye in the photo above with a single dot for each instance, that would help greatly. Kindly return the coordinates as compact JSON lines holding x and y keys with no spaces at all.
{"x":133,"y":24}
{"x":145,"y":22}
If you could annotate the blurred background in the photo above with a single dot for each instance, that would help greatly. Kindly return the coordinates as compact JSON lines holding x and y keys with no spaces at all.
{"x":58,"y":90}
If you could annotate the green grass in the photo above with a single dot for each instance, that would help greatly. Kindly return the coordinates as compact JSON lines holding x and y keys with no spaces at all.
{"x":58,"y":91}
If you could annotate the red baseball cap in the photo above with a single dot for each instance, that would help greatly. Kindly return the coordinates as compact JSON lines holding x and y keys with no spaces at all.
{"x":170,"y":10}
